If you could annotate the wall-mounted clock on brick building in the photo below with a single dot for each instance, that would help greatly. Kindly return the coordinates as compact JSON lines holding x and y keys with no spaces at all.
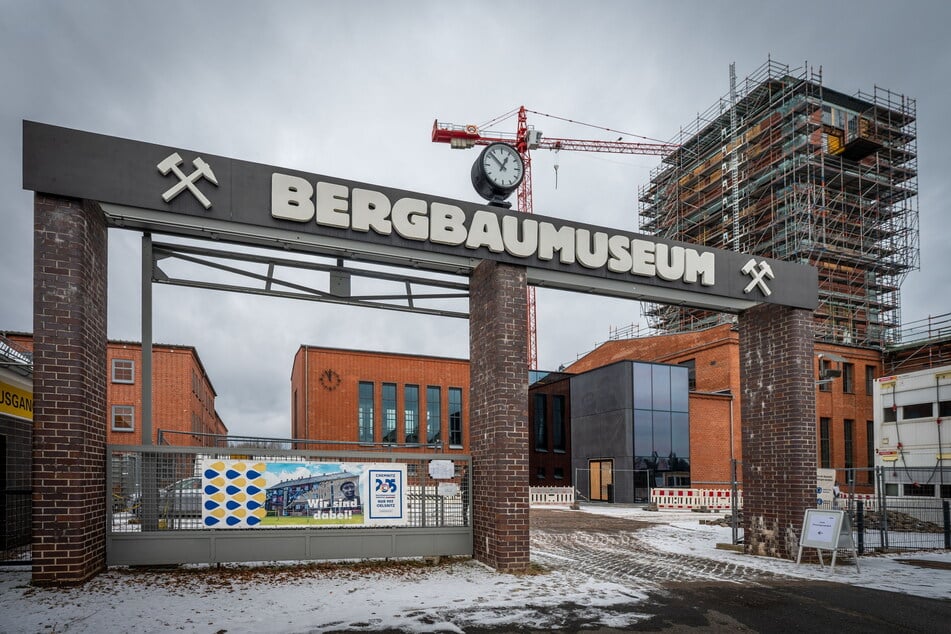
{"x":329,"y":379}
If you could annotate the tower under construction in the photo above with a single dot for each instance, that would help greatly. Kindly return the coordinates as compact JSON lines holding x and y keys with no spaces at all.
{"x":785,"y":168}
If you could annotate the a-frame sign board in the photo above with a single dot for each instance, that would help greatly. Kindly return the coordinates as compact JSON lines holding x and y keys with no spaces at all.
{"x":827,"y":530}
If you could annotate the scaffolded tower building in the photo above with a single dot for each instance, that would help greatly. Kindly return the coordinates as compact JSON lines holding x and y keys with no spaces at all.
{"x":783,"y":167}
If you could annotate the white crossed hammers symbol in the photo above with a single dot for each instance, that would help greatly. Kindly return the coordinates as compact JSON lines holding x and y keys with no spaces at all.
{"x":759,"y":272}
{"x":202,"y":170}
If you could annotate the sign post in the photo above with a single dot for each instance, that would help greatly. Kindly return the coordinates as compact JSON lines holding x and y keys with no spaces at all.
{"x":827,"y":530}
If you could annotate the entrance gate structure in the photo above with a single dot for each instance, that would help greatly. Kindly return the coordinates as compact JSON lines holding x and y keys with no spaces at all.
{"x":85,"y":183}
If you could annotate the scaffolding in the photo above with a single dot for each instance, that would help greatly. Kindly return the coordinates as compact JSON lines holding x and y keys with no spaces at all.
{"x":785,"y":168}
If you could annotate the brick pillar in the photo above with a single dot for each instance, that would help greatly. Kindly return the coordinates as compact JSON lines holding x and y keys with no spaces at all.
{"x":498,"y":415}
{"x":69,"y":389}
{"x":779,"y":427}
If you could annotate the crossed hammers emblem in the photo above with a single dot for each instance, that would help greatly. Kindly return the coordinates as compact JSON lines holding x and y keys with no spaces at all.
{"x":759,"y":273}
{"x":202,"y":170}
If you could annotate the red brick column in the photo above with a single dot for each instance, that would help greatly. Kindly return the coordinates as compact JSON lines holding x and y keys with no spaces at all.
{"x":778,"y":400}
{"x":498,"y":415}
{"x":69,"y":390}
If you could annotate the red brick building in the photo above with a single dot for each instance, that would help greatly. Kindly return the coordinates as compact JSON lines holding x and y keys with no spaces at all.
{"x":844,"y":425}
{"x":409,"y":402}
{"x":183,"y":397}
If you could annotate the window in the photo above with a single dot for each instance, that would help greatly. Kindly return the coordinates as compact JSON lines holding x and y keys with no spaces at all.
{"x":945,"y":491}
{"x":558,"y":435}
{"x":389,"y":412}
{"x":411,"y":413}
{"x":889,"y":414}
{"x":365,"y":412}
{"x":825,"y":443}
{"x":870,"y":450}
{"x":559,"y":473}
{"x":869,"y":379}
{"x":691,"y":365}
{"x":540,"y":472}
{"x":918,"y":490}
{"x":848,"y":378}
{"x":848,"y":431}
{"x":918,"y":410}
{"x":433,"y":416}
{"x":123,"y":371}
{"x":123,"y":418}
{"x":455,"y":417}
{"x":944,"y":408}
{"x":541,"y":413}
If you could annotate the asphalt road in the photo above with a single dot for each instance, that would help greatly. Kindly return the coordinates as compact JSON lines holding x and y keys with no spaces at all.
{"x":693,"y":594}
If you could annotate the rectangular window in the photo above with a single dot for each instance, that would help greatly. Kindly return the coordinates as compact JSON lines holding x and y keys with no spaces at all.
{"x":848,"y":432}
{"x":870,"y":450}
{"x":691,"y":365}
{"x":411,"y":413}
{"x":389,"y":412}
{"x":365,"y":412}
{"x":945,"y":491}
{"x":433,"y":416}
{"x":848,"y":378}
{"x":918,"y":490}
{"x":825,"y":443}
{"x":455,"y":417}
{"x":123,"y":371}
{"x":559,"y":473}
{"x":540,"y":472}
{"x":869,"y":379}
{"x":559,"y":439}
{"x":944,"y":408}
{"x":918,"y":410}
{"x":889,"y":414}
{"x":123,"y":418}
{"x":541,"y":426}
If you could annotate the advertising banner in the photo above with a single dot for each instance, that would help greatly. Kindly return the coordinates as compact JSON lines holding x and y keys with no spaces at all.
{"x":247,"y":493}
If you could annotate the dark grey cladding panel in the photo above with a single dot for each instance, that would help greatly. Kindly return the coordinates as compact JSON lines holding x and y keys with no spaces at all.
{"x":602,"y":390}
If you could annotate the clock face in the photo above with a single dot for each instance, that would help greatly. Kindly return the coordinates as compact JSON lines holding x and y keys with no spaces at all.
{"x":502,"y":166}
{"x":329,"y":379}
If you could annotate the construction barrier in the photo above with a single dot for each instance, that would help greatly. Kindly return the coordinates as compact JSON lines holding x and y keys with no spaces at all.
{"x":551,"y":495}
{"x":690,"y":499}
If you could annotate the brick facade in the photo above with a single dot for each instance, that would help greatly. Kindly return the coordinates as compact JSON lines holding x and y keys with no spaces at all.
{"x":549,"y":464}
{"x":183,"y":397}
{"x":499,"y":415}
{"x":69,"y":324}
{"x":325,"y":396}
{"x":779,"y":423}
{"x":715,"y":353}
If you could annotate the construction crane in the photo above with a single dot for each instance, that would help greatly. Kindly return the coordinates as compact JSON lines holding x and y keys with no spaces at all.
{"x":525,"y":139}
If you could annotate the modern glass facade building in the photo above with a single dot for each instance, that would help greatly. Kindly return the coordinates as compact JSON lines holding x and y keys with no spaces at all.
{"x":630,"y":430}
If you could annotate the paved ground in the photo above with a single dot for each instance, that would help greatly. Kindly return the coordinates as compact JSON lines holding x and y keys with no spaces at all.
{"x":693,"y":594}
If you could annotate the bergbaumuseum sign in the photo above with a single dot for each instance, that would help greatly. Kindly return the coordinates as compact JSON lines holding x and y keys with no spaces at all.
{"x":171,"y":190}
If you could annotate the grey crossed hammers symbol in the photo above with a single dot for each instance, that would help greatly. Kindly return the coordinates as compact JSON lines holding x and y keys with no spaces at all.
{"x":763,"y":270}
{"x":202,"y":170}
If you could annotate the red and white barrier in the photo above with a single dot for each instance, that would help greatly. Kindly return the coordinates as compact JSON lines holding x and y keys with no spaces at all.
{"x":689,"y":499}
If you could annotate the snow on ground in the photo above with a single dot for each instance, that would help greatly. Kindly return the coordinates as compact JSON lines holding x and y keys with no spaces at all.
{"x":409,"y":596}
{"x":682,"y":533}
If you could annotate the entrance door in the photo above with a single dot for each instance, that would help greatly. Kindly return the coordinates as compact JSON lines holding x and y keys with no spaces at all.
{"x":602,"y":480}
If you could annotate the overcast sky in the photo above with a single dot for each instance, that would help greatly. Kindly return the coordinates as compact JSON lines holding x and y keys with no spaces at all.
{"x":352,"y":89}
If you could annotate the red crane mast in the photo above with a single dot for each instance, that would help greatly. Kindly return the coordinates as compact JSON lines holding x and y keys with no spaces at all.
{"x":525,"y":139}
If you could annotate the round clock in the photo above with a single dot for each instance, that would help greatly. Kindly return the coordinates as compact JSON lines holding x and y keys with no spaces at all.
{"x":329,"y":380}
{"x":497,"y":172}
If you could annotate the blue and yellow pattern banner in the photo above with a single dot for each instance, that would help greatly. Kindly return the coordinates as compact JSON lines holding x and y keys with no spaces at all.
{"x":233,"y":493}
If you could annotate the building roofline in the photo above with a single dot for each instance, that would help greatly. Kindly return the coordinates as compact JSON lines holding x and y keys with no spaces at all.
{"x":407,"y":355}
